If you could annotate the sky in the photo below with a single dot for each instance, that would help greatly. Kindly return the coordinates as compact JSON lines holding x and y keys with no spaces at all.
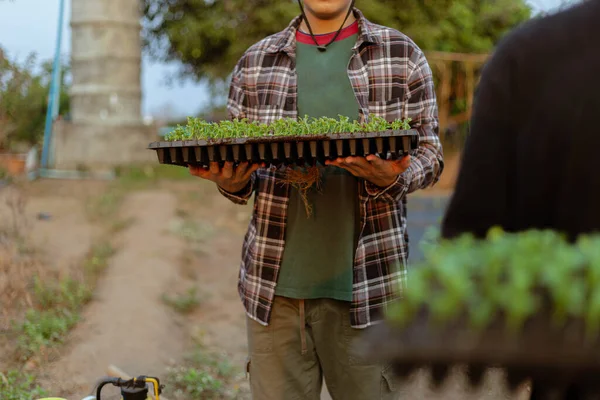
{"x":28,"y":26}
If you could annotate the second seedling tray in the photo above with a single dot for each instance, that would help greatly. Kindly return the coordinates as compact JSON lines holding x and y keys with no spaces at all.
{"x":553,"y":356}
{"x":287,"y":149}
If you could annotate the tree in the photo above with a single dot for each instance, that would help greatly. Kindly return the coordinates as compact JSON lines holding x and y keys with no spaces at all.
{"x":23,"y":99}
{"x":209,"y":36}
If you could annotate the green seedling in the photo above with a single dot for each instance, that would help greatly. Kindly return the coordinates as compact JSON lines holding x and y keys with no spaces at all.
{"x":198,"y":129}
{"x":514,"y":275}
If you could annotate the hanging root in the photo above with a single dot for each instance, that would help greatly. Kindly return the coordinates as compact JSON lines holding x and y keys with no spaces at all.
{"x":303,"y":180}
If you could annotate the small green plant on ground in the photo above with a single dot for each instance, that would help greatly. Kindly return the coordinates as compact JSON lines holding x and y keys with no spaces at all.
{"x":120,"y":225}
{"x":97,"y":260}
{"x":57,"y":311}
{"x":105,"y":206}
{"x":183,"y":303}
{"x":508,"y":275}
{"x":206,"y":375}
{"x":199,"y":129}
{"x":44,"y":329}
{"x":16,"y":385}
{"x":67,"y":293}
{"x":195,"y":233}
{"x":57,"y":306}
{"x":192,"y":231}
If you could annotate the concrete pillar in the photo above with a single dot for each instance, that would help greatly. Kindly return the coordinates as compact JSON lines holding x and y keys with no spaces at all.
{"x":106,"y":61}
{"x":106,"y":127}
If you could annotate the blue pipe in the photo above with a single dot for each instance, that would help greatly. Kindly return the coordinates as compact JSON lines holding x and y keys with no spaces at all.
{"x":53,"y":101}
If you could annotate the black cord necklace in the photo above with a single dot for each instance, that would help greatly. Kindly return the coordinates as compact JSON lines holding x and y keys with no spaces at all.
{"x":319,"y":46}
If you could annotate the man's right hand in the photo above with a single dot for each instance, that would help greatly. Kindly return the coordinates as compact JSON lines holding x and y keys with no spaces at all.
{"x":228,"y":178}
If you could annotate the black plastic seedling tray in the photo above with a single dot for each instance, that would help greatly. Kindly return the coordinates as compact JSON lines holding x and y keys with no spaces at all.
{"x":558,"y":360}
{"x":286,"y":150}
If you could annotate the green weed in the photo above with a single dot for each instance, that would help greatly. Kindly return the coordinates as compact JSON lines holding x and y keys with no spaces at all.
{"x":193,"y":231}
{"x":120,"y":225}
{"x":57,"y":306}
{"x":183,"y":303}
{"x":206,"y":376}
{"x":105,"y":206}
{"x":44,"y":329}
{"x":16,"y":385}
{"x":97,"y":260}
{"x":68,"y":294}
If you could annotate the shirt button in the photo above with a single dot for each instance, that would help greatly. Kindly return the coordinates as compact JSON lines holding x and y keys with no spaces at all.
{"x":290,"y":101}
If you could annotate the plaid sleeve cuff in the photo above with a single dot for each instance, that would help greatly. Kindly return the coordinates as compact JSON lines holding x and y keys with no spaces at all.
{"x":397,"y":190}
{"x":240,"y":197}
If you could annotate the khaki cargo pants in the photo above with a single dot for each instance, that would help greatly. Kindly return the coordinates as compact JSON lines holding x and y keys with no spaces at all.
{"x":287,"y":362}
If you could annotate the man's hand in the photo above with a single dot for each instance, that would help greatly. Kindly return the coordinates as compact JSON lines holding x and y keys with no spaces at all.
{"x":379,"y":172}
{"x":230,"y":179}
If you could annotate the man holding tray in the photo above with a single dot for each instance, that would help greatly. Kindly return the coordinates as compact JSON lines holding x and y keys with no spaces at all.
{"x":310,"y":285}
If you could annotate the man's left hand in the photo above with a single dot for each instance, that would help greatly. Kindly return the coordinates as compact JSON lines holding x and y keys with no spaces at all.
{"x":379,"y":172}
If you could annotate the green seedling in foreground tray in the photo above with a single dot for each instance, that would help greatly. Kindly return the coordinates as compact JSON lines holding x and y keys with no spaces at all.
{"x":198,"y":129}
{"x":510,"y":275}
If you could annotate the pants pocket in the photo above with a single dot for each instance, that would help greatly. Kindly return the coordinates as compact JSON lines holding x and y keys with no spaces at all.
{"x":260,"y":338}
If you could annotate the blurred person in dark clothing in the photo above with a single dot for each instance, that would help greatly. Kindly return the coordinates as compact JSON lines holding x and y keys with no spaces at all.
{"x":530,"y":159}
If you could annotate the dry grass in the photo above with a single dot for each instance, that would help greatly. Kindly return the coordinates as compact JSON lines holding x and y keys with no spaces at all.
{"x":16,"y":275}
{"x":18,"y":263}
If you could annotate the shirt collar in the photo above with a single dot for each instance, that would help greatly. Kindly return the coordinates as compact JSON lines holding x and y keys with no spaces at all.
{"x":367,"y":33}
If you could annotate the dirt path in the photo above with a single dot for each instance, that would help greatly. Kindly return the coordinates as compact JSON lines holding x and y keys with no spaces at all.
{"x":40,"y":218}
{"x":66,"y":235}
{"x":127,"y":324}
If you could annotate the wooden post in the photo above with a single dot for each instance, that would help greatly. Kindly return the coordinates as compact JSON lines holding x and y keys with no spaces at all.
{"x":460,"y":87}
{"x":470,"y":83}
{"x":444,"y":101}
{"x":463,"y":86}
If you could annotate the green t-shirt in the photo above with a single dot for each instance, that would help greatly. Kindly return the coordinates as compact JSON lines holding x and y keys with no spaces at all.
{"x":319,"y":250}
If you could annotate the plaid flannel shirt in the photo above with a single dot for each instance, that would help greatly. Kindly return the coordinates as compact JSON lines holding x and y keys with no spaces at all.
{"x":392,"y":79}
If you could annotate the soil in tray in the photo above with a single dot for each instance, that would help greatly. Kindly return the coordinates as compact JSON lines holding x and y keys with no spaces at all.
{"x":301,"y":150}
